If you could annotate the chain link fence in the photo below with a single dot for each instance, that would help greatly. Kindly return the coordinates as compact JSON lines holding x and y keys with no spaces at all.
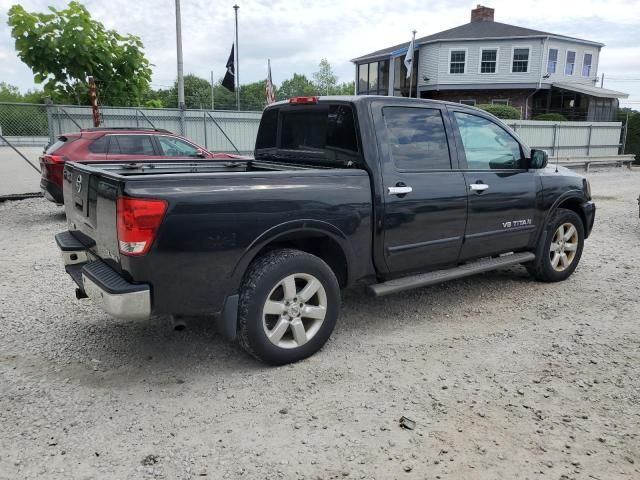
{"x":219,"y":131}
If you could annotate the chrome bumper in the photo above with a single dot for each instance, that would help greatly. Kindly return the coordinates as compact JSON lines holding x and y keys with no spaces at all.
{"x":106,"y":287}
{"x":128,"y":306}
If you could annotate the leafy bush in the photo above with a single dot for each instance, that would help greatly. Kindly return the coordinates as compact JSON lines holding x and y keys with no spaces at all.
{"x":553,"y":117}
{"x":633,"y":132}
{"x":506,"y":112}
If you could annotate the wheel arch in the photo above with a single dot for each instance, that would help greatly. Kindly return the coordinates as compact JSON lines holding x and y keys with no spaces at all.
{"x":571,"y":201}
{"x":316,"y":237}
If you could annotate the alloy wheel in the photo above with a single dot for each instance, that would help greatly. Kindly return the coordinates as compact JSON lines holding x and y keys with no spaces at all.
{"x":564,"y":245}
{"x":294,"y":310}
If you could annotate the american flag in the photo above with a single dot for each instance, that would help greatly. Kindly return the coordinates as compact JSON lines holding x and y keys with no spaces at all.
{"x":268,"y":86}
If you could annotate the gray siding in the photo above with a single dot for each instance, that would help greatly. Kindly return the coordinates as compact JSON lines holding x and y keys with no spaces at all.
{"x":580,"y":49}
{"x":434,"y":62}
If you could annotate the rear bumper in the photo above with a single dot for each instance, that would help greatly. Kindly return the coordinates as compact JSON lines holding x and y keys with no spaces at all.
{"x":106,"y":287}
{"x":51,"y":191}
{"x":589,"y":211}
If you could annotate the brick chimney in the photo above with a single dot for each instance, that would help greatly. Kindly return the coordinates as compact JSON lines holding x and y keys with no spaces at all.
{"x":482,"y":14}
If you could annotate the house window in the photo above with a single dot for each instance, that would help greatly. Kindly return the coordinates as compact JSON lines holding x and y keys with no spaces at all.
{"x":552,"y":62}
{"x":373,"y":78}
{"x":471,"y":102}
{"x":586,"y":64}
{"x":520,"y":60}
{"x":500,"y":101}
{"x":488,"y":60}
{"x":571,"y":62}
{"x":458,"y":60}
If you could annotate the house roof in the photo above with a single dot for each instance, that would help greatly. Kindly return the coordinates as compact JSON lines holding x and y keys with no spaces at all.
{"x":590,"y":90}
{"x":475,"y":31}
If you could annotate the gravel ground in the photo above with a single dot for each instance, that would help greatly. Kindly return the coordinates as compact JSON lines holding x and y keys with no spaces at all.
{"x":505,"y":377}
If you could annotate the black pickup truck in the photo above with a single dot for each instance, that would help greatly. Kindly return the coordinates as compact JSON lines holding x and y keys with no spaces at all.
{"x":392,"y":193}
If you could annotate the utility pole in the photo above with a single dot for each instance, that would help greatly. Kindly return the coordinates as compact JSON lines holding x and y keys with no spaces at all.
{"x":93,"y":95}
{"x":236,"y":7}
{"x":180,"y":63}
{"x":212,"y":95}
{"x":602,"y":81}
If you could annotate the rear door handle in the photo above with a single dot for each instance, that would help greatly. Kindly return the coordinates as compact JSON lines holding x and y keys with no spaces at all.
{"x":478,"y":187}
{"x":400,"y":190}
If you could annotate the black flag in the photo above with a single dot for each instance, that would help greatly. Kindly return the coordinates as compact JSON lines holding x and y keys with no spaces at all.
{"x":229,"y":80}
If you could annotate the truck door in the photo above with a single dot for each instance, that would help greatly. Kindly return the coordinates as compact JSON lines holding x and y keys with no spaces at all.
{"x":502,"y":192}
{"x":425,"y":195}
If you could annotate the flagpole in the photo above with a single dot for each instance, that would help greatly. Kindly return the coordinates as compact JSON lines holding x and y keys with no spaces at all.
{"x":212,"y":94}
{"x":412,"y":44}
{"x":237,"y":65}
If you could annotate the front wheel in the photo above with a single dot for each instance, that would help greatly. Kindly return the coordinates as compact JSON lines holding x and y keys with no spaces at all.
{"x":289,"y":304}
{"x":559,"y":251}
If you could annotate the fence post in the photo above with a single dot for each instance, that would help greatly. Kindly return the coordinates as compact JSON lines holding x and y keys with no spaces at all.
{"x":137,"y":125}
{"x":589,"y":140}
{"x":182,"y":121}
{"x":624,"y":136}
{"x":555,"y":135}
{"x":52,"y":134}
{"x":204,"y":124}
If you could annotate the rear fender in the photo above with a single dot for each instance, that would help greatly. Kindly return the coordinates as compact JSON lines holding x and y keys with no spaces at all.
{"x":288,"y":229}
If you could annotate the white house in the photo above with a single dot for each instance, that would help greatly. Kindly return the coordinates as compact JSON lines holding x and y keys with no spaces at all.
{"x":485,"y":61}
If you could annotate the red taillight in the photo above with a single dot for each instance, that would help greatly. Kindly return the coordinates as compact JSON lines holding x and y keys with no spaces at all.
{"x":303,"y":100}
{"x":138,"y":223}
{"x":51,"y":166}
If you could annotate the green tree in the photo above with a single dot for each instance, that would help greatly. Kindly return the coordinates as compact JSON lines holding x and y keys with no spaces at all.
{"x":296,"y":86}
{"x":63,"y":47}
{"x":632,"y":145}
{"x":324,"y":79}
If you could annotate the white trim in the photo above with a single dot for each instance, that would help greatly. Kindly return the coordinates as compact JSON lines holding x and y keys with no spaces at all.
{"x":468,"y":100}
{"x":499,"y":101}
{"x":566,"y":62}
{"x":466,"y":60}
{"x":587,"y":52}
{"x":546,"y":70}
{"x":482,"y":49}
{"x":521,"y":47}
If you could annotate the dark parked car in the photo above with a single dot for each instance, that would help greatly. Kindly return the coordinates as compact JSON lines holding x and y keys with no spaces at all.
{"x":388,"y":192}
{"x":99,"y":144}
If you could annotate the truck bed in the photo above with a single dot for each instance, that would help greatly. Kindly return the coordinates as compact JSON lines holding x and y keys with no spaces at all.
{"x":218,"y":215}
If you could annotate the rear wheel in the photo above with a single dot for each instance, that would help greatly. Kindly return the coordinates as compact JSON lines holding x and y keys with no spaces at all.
{"x":289,"y":304}
{"x":559,"y":251}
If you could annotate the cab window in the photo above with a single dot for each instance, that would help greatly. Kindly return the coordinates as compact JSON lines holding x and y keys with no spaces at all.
{"x":416,"y":138}
{"x":131,"y":145}
{"x":487,"y":146}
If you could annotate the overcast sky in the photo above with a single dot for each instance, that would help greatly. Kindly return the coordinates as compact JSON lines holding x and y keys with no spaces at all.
{"x":296,"y":34}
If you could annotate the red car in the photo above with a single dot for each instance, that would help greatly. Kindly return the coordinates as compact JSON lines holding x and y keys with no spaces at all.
{"x":114,"y":144}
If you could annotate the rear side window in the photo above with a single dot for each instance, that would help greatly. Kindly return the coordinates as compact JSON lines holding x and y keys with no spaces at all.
{"x":131,"y":145}
{"x":268,"y":129}
{"x":56,"y":145}
{"x":99,"y":145}
{"x":319,"y":128}
{"x":416,"y":138}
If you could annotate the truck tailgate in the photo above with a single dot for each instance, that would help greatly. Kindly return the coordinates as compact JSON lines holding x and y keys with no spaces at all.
{"x":90,"y":206}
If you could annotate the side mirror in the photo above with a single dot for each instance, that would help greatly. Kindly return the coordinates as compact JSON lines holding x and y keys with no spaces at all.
{"x":539,"y":159}
{"x":201,"y":153}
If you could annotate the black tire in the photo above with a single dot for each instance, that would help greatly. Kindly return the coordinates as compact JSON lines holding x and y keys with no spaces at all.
{"x":542,"y":267}
{"x":265,"y":274}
